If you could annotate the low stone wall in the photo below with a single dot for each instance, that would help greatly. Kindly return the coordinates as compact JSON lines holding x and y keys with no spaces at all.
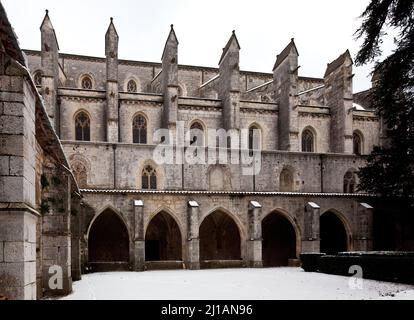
{"x":383,"y":266}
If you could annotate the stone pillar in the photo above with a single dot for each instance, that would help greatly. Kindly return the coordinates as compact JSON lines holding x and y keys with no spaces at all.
{"x":339,"y":98}
{"x":229,"y":84}
{"x":112,"y":95}
{"x":193,"y":239}
{"x":170,"y":81}
{"x":50,"y":70}
{"x":17,"y":183}
{"x":363,"y":240}
{"x":285,"y":81}
{"x":75,"y":226}
{"x":56,"y":236}
{"x":310,"y":239}
{"x":254,"y":240}
{"x":139,"y":236}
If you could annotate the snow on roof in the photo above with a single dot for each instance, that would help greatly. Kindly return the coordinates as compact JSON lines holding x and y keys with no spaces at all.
{"x":358,"y":107}
{"x":209,"y":81}
{"x":310,"y":90}
{"x":259,"y":86}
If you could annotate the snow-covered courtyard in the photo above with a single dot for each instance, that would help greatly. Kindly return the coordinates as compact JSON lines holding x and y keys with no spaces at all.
{"x":232,"y":284}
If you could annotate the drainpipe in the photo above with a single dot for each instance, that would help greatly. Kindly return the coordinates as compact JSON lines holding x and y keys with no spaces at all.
{"x":114,"y":160}
{"x":321,"y":158}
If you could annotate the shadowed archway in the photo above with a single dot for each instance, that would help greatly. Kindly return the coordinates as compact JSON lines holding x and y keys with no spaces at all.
{"x":163,"y":239}
{"x":219,"y":238}
{"x":108,"y":243}
{"x":279,"y":240}
{"x":333,"y":234}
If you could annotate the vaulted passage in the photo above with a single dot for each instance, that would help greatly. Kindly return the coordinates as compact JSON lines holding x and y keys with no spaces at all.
{"x":219,"y":238}
{"x":108,"y":243}
{"x":279,"y":241}
{"x":163,"y":239}
{"x":333,"y":234}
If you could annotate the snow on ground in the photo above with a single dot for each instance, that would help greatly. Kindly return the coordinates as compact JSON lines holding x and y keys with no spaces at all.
{"x":231,"y":284}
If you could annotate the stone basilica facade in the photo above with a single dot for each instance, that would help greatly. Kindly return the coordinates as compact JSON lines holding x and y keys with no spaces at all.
{"x":81,"y":186}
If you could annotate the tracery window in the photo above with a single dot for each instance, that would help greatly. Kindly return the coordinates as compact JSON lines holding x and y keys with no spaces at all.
{"x":86,"y":83}
{"x":349,"y":182}
{"x":82,"y":127}
{"x":132,"y":86}
{"x":149,"y":178}
{"x":139,"y":130}
{"x":308,"y":141}
{"x":357,"y":141}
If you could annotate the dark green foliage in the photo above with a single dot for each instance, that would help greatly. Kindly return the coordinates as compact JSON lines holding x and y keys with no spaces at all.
{"x":390,"y":168}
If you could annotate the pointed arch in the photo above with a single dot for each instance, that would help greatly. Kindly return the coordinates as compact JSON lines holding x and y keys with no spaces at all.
{"x":87,"y":81}
{"x":289,"y":179}
{"x":220,"y":237}
{"x":140,"y":128}
{"x":286,"y":240}
{"x":350,"y":181}
{"x":132,"y":84}
{"x":163,"y":238}
{"x":332,"y":232}
{"x":255,"y":126}
{"x":199,"y":136}
{"x":309,"y":139}
{"x":358,"y":142}
{"x":82,"y":122}
{"x":108,"y":241}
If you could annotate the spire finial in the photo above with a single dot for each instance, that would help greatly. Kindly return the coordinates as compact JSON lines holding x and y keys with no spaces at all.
{"x":47,"y":11}
{"x":172,"y":26}
{"x":234,"y":31}
{"x":112,"y":19}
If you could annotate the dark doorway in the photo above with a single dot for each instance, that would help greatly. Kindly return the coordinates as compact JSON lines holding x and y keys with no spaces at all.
{"x":108,"y":240}
{"x":279,"y":241}
{"x":163,"y":239}
{"x":219,"y":238}
{"x":333,"y":234}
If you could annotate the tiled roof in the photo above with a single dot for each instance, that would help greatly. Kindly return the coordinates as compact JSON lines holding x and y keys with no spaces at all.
{"x":228,"y":193}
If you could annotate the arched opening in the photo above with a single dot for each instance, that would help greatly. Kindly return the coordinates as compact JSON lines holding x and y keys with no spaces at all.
{"x":279,"y":240}
{"x":149,"y":178}
{"x":108,"y":243}
{"x":132,"y":86}
{"x":350,"y":182}
{"x":139,"y":130}
{"x":357,"y":142}
{"x":80,"y":173}
{"x":219,"y":238}
{"x":197,"y":134}
{"x":255,"y":138}
{"x":333,"y":234}
{"x":308,"y":141}
{"x":286,"y":180}
{"x":82,"y":127}
{"x":163,"y":239}
{"x":86,"y":83}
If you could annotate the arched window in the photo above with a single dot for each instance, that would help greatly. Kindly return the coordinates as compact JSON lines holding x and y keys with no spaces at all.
{"x":254,"y":133}
{"x":357,"y":139}
{"x":149,"y":178}
{"x":132,"y":86}
{"x":82,"y":127}
{"x":197,"y":134}
{"x":349,"y":182}
{"x":38,"y":78}
{"x":80,"y":174}
{"x":139,"y":130}
{"x":86,"y":83}
{"x":308,"y":141}
{"x":286,"y":180}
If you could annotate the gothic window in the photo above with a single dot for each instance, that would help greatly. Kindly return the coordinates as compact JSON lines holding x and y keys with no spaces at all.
{"x":349,"y":182}
{"x":80,"y":174}
{"x":308,"y":144}
{"x":357,"y":143}
{"x":254,"y":133}
{"x":149,"y":178}
{"x":86,"y":83}
{"x":139,"y":130}
{"x":82,"y":127}
{"x":38,"y":78}
{"x":197,"y":134}
{"x":286,"y":180}
{"x":132,"y":86}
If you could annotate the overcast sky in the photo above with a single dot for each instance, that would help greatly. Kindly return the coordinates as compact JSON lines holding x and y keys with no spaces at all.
{"x":322,"y":29}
